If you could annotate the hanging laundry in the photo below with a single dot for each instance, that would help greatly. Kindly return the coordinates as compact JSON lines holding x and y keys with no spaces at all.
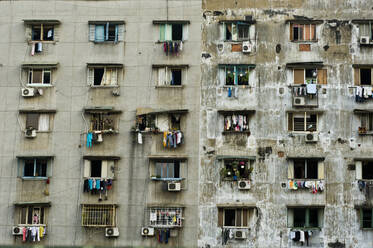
{"x":311,"y":89}
{"x":235,"y":92}
{"x":89,"y":139}
{"x":139,"y":138}
{"x":171,"y":139}
{"x":39,"y":47}
{"x":229,"y":92}
{"x":236,"y":123}
{"x":33,"y":49}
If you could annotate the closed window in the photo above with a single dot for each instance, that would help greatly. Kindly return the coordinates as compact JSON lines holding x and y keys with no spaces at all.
{"x":165,"y":217}
{"x":302,"y":32}
{"x":42,"y":32}
{"x":235,"y":74}
{"x":302,"y":122}
{"x":98,"y":215}
{"x":34,"y":167}
{"x":102,"y":76}
{"x":173,"y":32}
{"x":106,"y":31}
{"x":305,"y":217}
{"x":38,"y":121}
{"x":168,"y":169}
{"x":32,"y":215}
{"x":310,"y":76}
{"x":366,"y":220}
{"x":40,"y":76}
{"x":235,"y":217}
{"x":236,"y":31}
{"x":99,"y":168}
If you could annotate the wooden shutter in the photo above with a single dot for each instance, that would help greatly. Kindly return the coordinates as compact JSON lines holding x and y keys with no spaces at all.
{"x":357,"y":76}
{"x":320,"y":170}
{"x":359,"y":170}
{"x":32,"y":120}
{"x":307,"y":31}
{"x":321,"y":76}
{"x":313,"y":31}
{"x":244,"y":217}
{"x":290,"y":121}
{"x":110,"y":169}
{"x":185,"y":32}
{"x":56,"y":33}
{"x":120,"y":32}
{"x":104,"y":165}
{"x":291,"y":32}
{"x":238,"y":217}
{"x":298,"y":76}
{"x":220,"y":216}
{"x":90,"y":76}
{"x":92,"y":32}
{"x":291,"y":170}
{"x":87,"y":168}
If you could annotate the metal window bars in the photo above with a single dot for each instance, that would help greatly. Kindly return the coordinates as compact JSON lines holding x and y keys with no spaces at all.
{"x":165,"y":217}
{"x":98,"y":215}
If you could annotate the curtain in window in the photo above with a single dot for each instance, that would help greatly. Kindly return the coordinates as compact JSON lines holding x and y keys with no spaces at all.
{"x":43,"y":122}
{"x":100,"y":33}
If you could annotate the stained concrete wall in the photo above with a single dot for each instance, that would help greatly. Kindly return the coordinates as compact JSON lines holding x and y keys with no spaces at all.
{"x":132,"y":189}
{"x":269,"y":93}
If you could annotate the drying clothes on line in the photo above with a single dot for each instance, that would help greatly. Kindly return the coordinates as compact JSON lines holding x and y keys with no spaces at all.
{"x":300,"y":235}
{"x":33,"y":233}
{"x":89,"y":139}
{"x":139,"y":138}
{"x":315,"y":186}
{"x":172,"y":47}
{"x":97,"y":186}
{"x":230,"y":92}
{"x":235,"y":92}
{"x":163,"y":235}
{"x":236,"y":123}
{"x":311,"y":89}
{"x":172,"y":139}
{"x":363,"y":93}
{"x":33,"y":49}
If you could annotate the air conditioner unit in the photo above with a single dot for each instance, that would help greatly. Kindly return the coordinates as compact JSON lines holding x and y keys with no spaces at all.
{"x":240,"y":234}
{"x":147,"y":231}
{"x":111,"y":232}
{"x":299,"y":101}
{"x":27,"y":92}
{"x":311,"y":137}
{"x":243,"y":184}
{"x":30,"y":133}
{"x":246,"y":47}
{"x":174,"y":186}
{"x":364,"y":40}
{"x":17,"y":230}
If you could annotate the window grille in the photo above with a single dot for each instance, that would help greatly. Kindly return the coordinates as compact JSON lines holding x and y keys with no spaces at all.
{"x":165,"y":217}
{"x":98,"y":215}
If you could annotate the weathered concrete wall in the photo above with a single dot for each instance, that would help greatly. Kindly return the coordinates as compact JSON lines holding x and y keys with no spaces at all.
{"x":269,"y":93}
{"x":132,"y":189}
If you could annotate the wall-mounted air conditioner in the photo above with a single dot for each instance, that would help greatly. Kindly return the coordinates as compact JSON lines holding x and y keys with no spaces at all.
{"x":30,"y":133}
{"x":174,"y":186}
{"x":246,"y":47}
{"x":27,"y":92}
{"x":299,"y":101}
{"x":364,"y":40}
{"x":147,"y":231}
{"x":111,"y":232}
{"x":244,"y":184}
{"x":311,"y":137}
{"x":240,"y":234}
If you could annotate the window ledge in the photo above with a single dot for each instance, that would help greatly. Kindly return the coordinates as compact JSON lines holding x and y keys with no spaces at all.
{"x":30,"y":225}
{"x":366,"y":133}
{"x":237,"y":132}
{"x":236,"y":227}
{"x":34,"y":178}
{"x":40,"y":85}
{"x":169,"y":86}
{"x":233,"y":180}
{"x":367,"y":45}
{"x":106,"y":42}
{"x":105,"y":131}
{"x":161,"y":42}
{"x":237,"y":41}
{"x":305,"y":228}
{"x":304,"y":41}
{"x":104,"y":86}
{"x":367,"y":228}
{"x":238,"y":86}
{"x":42,"y":131}
{"x":166,"y":179}
{"x":42,"y":41}
{"x":303,"y":132}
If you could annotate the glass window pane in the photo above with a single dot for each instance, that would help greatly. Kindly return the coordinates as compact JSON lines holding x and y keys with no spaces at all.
{"x":229,"y":75}
{"x":311,"y":123}
{"x":229,"y":217}
{"x":36,"y":32}
{"x":41,"y":168}
{"x":243,"y":75}
{"x":36,"y":76}
{"x":48,"y":32}
{"x":367,"y":218}
{"x":47,"y":77}
{"x":23,"y":215}
{"x":312,"y":168}
{"x":29,"y":168}
{"x":299,"y":169}
{"x":299,"y":217}
{"x":313,"y":217}
{"x":243,"y":31}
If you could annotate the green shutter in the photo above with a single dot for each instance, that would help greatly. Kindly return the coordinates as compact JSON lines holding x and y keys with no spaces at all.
{"x":162,"y":28}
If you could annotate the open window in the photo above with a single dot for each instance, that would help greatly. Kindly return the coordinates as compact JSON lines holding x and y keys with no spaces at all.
{"x":148,"y":119}
{"x":103,"y":215}
{"x":165,"y":217}
{"x":42,"y":30}
{"x":306,"y":169}
{"x":366,"y":121}
{"x":302,"y":32}
{"x":34,"y":167}
{"x":240,"y":30}
{"x":363,"y":76}
{"x":236,"y":168}
{"x":302,"y":121}
{"x":101,"y":75}
{"x":310,"y":76}
{"x":172,"y":30}
{"x":366,"y":218}
{"x":103,"y":119}
{"x":39,"y":75}
{"x":106,"y":31}
{"x":365,"y":31}
{"x":99,"y":167}
{"x":364,"y":169}
{"x":39,"y":120}
{"x":32,"y":214}
{"x":232,"y":217}
{"x":305,"y":217}
{"x":169,"y":75}
{"x":231,"y":75}
{"x":236,"y":121}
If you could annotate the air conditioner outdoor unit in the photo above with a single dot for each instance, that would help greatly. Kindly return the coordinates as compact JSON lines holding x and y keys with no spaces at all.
{"x":243,"y":184}
{"x":311,"y":137}
{"x":299,"y":101}
{"x":240,"y":234}
{"x":27,"y":92}
{"x":174,"y":186}
{"x":17,"y":230}
{"x":364,"y":40}
{"x":246,"y":47}
{"x":30,"y":133}
{"x":111,"y":232}
{"x":147,"y":231}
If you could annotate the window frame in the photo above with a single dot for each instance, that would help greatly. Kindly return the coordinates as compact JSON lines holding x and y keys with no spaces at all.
{"x":249,"y":166}
{"x":306,"y":161}
{"x":41,"y":25}
{"x":362,"y":219}
{"x":235,"y":74}
{"x":163,"y":73}
{"x":27,"y":208}
{"x":161,"y":222}
{"x":247,"y":211}
{"x":302,"y":26}
{"x":114,"y":77}
{"x":37,"y":129}
{"x":292,"y":116}
{"x":108,"y":166}
{"x":99,"y":212}
{"x":165,"y":28}
{"x":320,"y":222}
{"x":43,"y":72}
{"x":235,"y":31}
{"x":93,"y":117}
{"x":22,"y":164}
{"x":106,"y":29}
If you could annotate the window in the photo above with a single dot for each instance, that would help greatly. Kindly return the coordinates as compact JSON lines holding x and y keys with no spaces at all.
{"x":235,"y":217}
{"x":310,"y":76}
{"x":236,"y":31}
{"x":364,"y":170}
{"x":305,"y":217}
{"x":99,"y":168}
{"x":236,"y":74}
{"x":306,"y":169}
{"x":103,"y":122}
{"x":160,"y":121}
{"x":165,"y":217}
{"x":366,"y":29}
{"x":236,"y":122}
{"x":106,"y":31}
{"x":302,"y":32}
{"x":34,"y":167}
{"x":42,"y":32}
{"x":366,"y":120}
{"x":98,"y":215}
{"x":32,"y":215}
{"x":366,"y":220}
{"x":40,"y":76}
{"x":169,"y":169}
{"x":38,"y":121}
{"x":145,"y":122}
{"x":236,"y":169}
{"x":302,"y":122}
{"x":172,"y":32}
{"x":363,"y":76}
{"x":169,"y":76}
{"x":102,"y":76}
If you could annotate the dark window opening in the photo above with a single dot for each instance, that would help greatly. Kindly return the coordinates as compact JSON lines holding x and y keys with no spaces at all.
{"x":229,"y":217}
{"x":313,"y":220}
{"x":299,"y":169}
{"x":298,"y":123}
{"x":312,"y":166}
{"x":295,"y":33}
{"x":168,"y":169}
{"x":36,"y":32}
{"x":29,"y":168}
{"x":305,"y":169}
{"x":32,"y":121}
{"x":48,"y":32}
{"x":243,"y":31}
{"x":96,"y":168}
{"x":98,"y":75}
{"x":111,"y":32}
{"x":145,"y":122}
{"x":176,"y":169}
{"x":365,"y":76}
{"x":311,"y":122}
{"x":176,"y":77}
{"x":177,"y":31}
{"x":367,"y":170}
{"x":236,"y":168}
{"x":29,"y":215}
{"x":311,"y":76}
{"x":100,"y":122}
{"x":175,"y":122}
{"x":299,"y":217}
{"x":228,"y":32}
{"x":229,"y":75}
{"x":338,"y":37}
{"x":243,"y":75}
{"x":47,"y":77}
{"x":367,"y":218}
